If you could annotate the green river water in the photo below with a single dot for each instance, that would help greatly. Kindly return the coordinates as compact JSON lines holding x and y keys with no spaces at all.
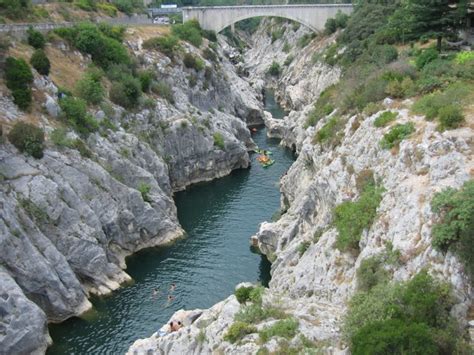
{"x":219,"y":217}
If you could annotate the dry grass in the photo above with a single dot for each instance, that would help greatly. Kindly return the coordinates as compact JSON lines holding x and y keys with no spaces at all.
{"x":147,"y":32}
{"x":66,"y":67}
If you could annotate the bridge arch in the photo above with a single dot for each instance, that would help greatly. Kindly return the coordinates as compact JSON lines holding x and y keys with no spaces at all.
{"x":217,"y":18}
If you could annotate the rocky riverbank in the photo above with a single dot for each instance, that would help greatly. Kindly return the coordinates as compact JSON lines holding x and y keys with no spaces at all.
{"x":68,"y":220}
{"x":313,"y":280}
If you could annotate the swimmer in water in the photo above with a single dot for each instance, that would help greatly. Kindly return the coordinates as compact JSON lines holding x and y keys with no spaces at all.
{"x":172,"y":287}
{"x":155,"y":292}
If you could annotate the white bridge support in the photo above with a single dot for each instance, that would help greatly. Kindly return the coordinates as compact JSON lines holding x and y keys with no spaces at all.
{"x":217,"y":18}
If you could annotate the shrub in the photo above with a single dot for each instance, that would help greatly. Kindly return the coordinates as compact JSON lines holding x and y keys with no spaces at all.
{"x":126,"y":92}
{"x":144,"y":190}
{"x":40,"y":62}
{"x":125,"y":6}
{"x":331,"y":133}
{"x":219,"y":140}
{"x":146,"y":78}
{"x":411,"y":317}
{"x":286,"y":47}
{"x":162,"y":89}
{"x":285,"y":328}
{"x":427,"y":56}
{"x":371,"y":273}
{"x":243,"y":294}
{"x":27,"y":138}
{"x":303,"y":246}
{"x":393,"y":336}
{"x":372,"y":108}
{"x":323,"y":107}
{"x":254,"y":313}
{"x":398,"y":133}
{"x":60,"y":139}
{"x":385,"y":118}
{"x":18,"y":77}
{"x":167,"y":44}
{"x":109,"y":9}
{"x":351,"y":218}
{"x":35,"y":38}
{"x":88,"y":38}
{"x":453,"y":229}
{"x":276,"y":35}
{"x":209,"y":35}
{"x":190,"y":61}
{"x":450,"y":117}
{"x":330,"y":26}
{"x":74,"y":110}
{"x":90,"y":89}
{"x":274,"y":69}
{"x":464,"y":57}
{"x":237,"y":331}
{"x":288,"y":60}
{"x":189,"y":31}
{"x":209,"y":54}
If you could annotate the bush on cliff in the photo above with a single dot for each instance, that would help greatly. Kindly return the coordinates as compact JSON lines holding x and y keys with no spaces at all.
{"x":74,"y":111}
{"x":27,"y":138}
{"x":410,"y":317}
{"x":40,"y":62}
{"x":352,"y":217}
{"x":167,"y":44}
{"x":103,"y":47}
{"x":18,"y":77}
{"x":90,"y":87}
{"x":455,"y":224}
{"x":189,"y":31}
{"x":35,"y":38}
{"x":126,"y":92}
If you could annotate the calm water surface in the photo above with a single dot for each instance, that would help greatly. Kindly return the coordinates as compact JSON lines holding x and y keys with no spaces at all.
{"x":219,"y":217}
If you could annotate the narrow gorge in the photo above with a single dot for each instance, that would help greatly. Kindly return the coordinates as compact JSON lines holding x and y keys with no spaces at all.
{"x":128,"y":198}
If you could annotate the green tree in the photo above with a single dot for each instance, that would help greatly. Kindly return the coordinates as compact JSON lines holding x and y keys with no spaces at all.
{"x":40,"y":62}
{"x":19,"y":77}
{"x":434,"y":18}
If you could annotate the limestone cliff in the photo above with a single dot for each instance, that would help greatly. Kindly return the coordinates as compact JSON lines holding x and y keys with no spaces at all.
{"x":68,"y":220}
{"x":311,"y":279}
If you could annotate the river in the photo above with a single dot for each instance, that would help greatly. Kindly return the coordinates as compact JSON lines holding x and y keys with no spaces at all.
{"x":218,"y":217}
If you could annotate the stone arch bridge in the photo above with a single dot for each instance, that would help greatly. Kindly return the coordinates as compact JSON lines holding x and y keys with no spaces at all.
{"x":217,"y":18}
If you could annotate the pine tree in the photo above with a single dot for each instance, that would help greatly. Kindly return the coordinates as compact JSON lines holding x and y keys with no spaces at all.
{"x":435,"y":18}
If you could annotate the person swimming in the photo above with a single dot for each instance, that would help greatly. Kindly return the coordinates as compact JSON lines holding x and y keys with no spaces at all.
{"x":155,"y":292}
{"x":170,"y":298}
{"x":172,"y":287}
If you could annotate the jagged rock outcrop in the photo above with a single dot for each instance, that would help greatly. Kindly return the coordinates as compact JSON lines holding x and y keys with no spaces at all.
{"x":68,"y":220}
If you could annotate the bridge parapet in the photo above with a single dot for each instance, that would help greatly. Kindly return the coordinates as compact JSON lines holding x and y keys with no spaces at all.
{"x":216,"y":18}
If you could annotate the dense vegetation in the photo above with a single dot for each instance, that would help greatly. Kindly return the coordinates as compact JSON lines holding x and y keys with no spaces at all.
{"x":18,"y":77}
{"x":376,"y":62}
{"x":410,"y":317}
{"x":455,"y":227}
{"x":40,"y":62}
{"x":352,"y":217}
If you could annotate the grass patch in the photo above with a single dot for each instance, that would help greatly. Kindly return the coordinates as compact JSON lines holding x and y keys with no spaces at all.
{"x":285,"y":328}
{"x":238,"y":330}
{"x":385,"y":118}
{"x":144,"y":190}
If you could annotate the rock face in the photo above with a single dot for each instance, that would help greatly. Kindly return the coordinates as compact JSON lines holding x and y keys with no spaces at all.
{"x":23,"y":327}
{"x":314,"y":283}
{"x":68,"y":220}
